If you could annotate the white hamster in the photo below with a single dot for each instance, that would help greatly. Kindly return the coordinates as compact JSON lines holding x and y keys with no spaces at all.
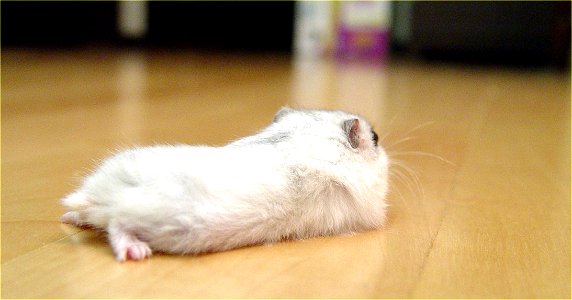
{"x":309,"y":173}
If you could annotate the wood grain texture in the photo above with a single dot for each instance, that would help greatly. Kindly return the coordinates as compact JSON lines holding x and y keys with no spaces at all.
{"x":480,"y":192}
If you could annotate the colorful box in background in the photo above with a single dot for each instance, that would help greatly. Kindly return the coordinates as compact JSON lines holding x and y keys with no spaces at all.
{"x":363,"y":29}
{"x":357,"y":29}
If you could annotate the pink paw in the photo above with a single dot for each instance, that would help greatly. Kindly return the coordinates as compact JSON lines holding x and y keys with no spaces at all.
{"x":71,"y":217}
{"x":138,"y":251}
{"x":133,"y":250}
{"x":126,"y":245}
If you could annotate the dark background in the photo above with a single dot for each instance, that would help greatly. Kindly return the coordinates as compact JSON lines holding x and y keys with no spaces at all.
{"x":524,"y":33}
{"x":260,"y":26}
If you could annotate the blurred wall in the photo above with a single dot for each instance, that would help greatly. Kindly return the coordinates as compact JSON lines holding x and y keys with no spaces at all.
{"x":519,"y":32}
{"x":250,"y":26}
{"x":61,"y":23}
{"x":525,"y":33}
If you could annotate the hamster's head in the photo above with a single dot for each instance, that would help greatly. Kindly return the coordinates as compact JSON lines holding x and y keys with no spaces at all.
{"x":345,"y":148}
{"x":348,"y":132}
{"x":333,"y":136}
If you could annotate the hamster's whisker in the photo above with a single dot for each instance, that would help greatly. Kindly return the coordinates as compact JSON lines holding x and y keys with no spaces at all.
{"x":405,"y":180}
{"x":383,"y":137}
{"x":400,"y":141}
{"x":391,"y":122}
{"x":388,"y":132}
{"x":422,"y":125}
{"x":402,"y":179}
{"x":392,"y":185}
{"x":422,"y":153}
{"x":413,"y":177}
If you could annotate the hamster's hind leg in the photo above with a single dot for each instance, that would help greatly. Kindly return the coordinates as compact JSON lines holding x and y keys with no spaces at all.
{"x":71,"y":217}
{"x":125,"y":244}
{"x":77,"y":204}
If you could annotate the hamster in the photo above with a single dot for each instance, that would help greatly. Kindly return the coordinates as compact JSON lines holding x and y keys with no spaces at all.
{"x":309,"y":173}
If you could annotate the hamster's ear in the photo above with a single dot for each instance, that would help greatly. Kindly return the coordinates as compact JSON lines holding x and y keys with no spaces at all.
{"x":281,"y":113}
{"x":351,"y":128}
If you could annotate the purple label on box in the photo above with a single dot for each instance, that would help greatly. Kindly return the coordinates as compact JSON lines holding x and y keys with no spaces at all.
{"x":368,"y":43}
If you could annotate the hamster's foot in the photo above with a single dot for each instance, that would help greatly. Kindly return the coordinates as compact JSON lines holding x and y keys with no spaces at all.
{"x":74,"y":218}
{"x":138,"y":251}
{"x":126,"y":245}
{"x":71,"y":217}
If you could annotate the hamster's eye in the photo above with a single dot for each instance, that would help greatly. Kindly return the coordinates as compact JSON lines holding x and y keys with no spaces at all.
{"x":375,"y":137}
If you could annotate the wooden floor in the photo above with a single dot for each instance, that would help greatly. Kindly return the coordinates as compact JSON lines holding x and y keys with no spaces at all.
{"x":480,"y":203}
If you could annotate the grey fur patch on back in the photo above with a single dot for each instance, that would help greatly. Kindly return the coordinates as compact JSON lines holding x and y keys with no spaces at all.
{"x":281,"y":113}
{"x":273,"y":139}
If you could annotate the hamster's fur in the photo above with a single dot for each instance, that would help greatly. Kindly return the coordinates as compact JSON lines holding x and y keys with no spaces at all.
{"x":309,"y":173}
